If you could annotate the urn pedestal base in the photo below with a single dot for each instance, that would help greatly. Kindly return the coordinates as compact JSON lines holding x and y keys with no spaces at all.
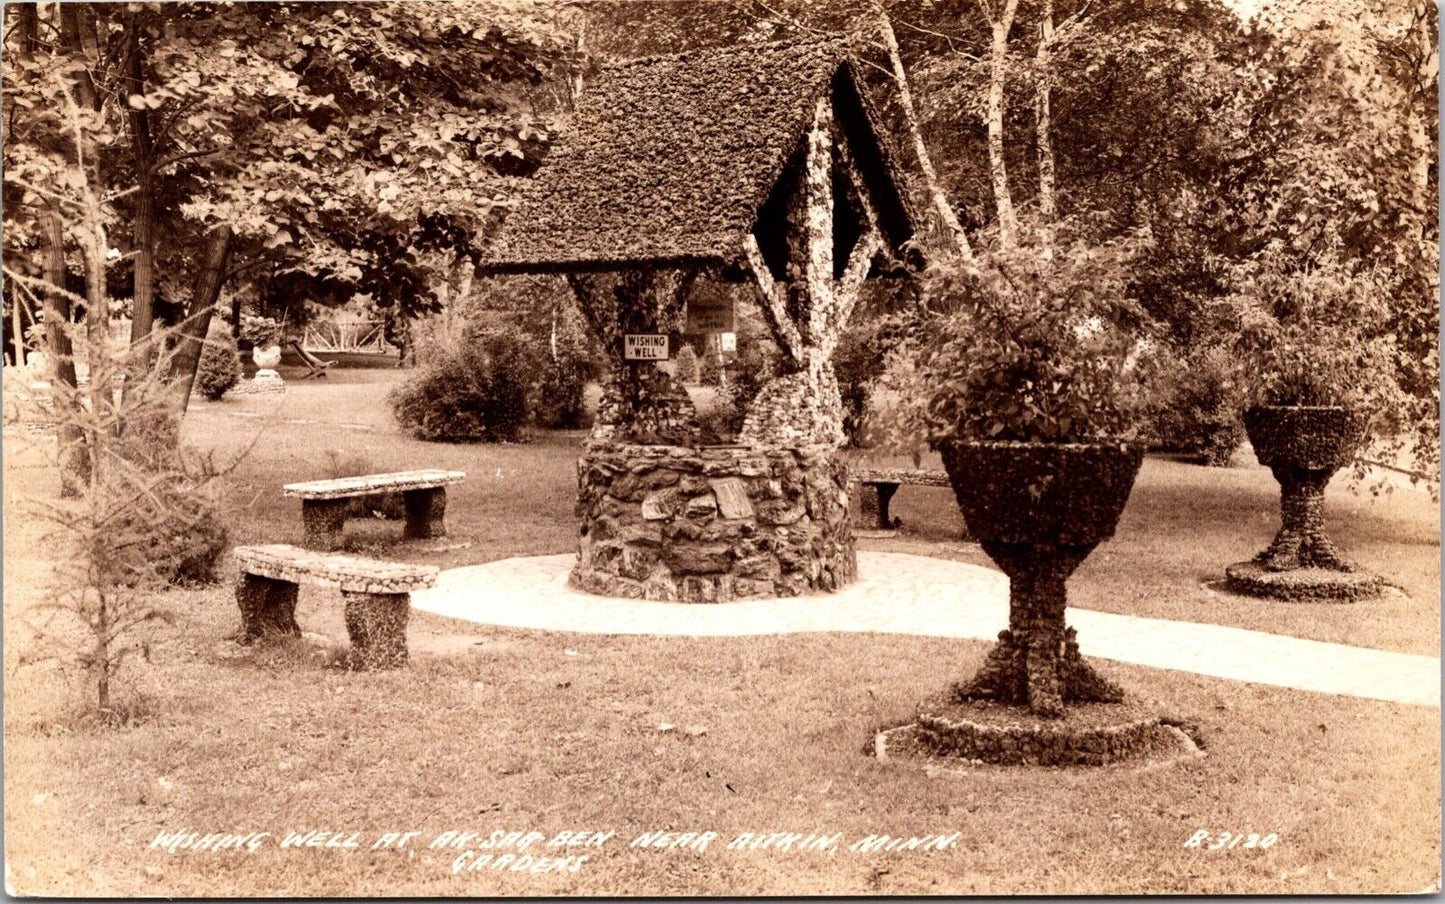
{"x":1303,"y":447}
{"x":986,"y":733}
{"x":1304,"y":585}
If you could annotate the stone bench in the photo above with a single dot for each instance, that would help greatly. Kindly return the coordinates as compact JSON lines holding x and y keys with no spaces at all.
{"x":377,"y":594}
{"x":326,"y":504}
{"x":886,"y":481}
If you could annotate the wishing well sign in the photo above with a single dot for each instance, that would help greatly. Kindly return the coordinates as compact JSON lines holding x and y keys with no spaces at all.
{"x":645,"y":347}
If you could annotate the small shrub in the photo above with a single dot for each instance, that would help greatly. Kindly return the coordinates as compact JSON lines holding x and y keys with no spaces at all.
{"x":475,"y":393}
{"x":685,"y":368}
{"x":711,"y":372}
{"x":1200,"y":400}
{"x":557,"y":400}
{"x":176,"y":534}
{"x":220,"y":366}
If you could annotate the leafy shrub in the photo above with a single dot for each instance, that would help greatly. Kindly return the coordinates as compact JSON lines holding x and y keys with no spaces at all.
{"x":897,"y":422}
{"x":220,"y":365}
{"x":477,"y":392}
{"x":755,"y":364}
{"x":1316,"y":336}
{"x":711,"y":372}
{"x":176,"y":535}
{"x":686,"y":370}
{"x":1201,"y":397}
{"x":1038,"y":348}
{"x":557,"y":400}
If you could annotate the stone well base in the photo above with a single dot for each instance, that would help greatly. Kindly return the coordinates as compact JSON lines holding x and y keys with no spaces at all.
{"x":1304,"y":585}
{"x":712,"y":524}
{"x":1091,"y":734}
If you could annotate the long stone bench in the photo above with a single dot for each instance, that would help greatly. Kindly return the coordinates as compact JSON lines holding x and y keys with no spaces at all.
{"x":886,"y":481}
{"x":326,"y":504}
{"x":377,"y":594}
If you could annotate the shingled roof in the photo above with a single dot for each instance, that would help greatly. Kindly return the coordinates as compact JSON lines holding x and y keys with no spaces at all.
{"x":669,"y":159}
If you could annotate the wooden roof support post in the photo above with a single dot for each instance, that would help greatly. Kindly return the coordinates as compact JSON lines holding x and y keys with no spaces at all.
{"x":818,"y":198}
{"x":772,"y":301}
{"x":598,"y":310}
{"x":850,"y":286}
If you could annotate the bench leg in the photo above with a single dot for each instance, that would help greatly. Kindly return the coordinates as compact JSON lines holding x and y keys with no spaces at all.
{"x":376,"y":623}
{"x":268,"y":607}
{"x":322,"y":521}
{"x":885,"y":496}
{"x":425,"y":513}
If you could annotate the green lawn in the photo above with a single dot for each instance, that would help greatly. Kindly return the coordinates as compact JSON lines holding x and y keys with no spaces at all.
{"x":521,"y":730}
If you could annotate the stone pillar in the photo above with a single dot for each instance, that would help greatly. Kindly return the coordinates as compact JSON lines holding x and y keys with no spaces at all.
{"x":640,"y":402}
{"x":376,"y":623}
{"x":425,"y":513}
{"x":322,"y":521}
{"x":1036,"y":661}
{"x":268,"y":607}
{"x":1301,"y":541}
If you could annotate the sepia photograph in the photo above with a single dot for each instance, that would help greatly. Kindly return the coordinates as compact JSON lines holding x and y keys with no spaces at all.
{"x":599,"y":448}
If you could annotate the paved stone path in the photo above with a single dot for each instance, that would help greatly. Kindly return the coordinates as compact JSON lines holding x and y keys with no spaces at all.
{"x":900,"y":593}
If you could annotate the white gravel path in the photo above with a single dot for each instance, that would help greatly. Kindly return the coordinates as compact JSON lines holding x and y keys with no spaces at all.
{"x":900,"y":593}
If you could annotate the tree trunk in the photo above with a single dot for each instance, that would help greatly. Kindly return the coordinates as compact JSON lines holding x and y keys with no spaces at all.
{"x":905,"y":96}
{"x":198,"y":319}
{"x":17,"y":330}
{"x":27,"y":27}
{"x":143,"y":216}
{"x":74,"y":462}
{"x":77,"y":30}
{"x":1044,"y":76}
{"x":998,"y":168}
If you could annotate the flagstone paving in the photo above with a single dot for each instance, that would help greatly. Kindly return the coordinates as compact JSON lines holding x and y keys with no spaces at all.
{"x":899,"y":593}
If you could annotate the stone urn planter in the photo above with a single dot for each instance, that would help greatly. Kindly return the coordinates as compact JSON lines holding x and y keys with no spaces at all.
{"x":266,"y":378}
{"x":1303,"y":446}
{"x":1038,"y":510}
{"x":266,"y":357}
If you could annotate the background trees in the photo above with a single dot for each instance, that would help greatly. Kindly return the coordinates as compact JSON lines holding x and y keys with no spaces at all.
{"x":334,"y":148}
{"x":322,"y":151}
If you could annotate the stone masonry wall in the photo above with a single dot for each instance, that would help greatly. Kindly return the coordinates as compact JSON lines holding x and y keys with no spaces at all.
{"x":712,"y":525}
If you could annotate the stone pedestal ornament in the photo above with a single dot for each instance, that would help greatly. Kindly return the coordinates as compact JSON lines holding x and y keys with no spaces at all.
{"x":1038,"y":510}
{"x":266,"y":378}
{"x":1303,"y":447}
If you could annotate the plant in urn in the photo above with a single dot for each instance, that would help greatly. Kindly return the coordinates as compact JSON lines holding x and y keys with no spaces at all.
{"x":1037,"y":379}
{"x":1319,"y":361}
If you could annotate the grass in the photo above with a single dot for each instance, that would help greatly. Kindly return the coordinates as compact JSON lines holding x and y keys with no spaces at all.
{"x":503,"y":729}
